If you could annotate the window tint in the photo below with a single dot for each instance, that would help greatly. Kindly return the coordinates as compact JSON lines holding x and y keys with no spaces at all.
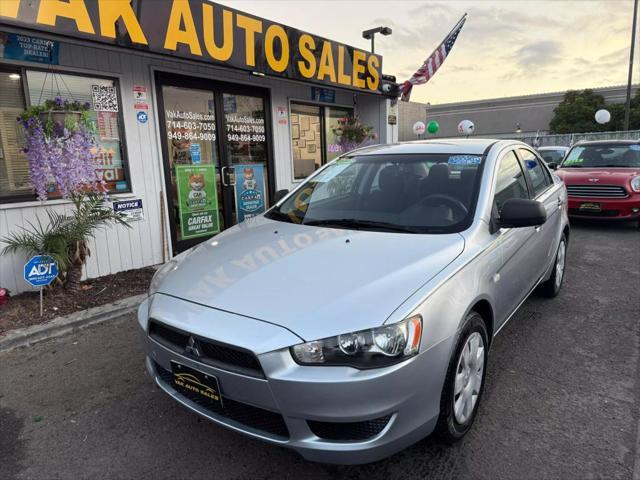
{"x":510,"y":182}
{"x":537,"y":173}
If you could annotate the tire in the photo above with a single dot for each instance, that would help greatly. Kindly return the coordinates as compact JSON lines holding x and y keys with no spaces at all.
{"x":454,"y":422}
{"x":551,"y":287}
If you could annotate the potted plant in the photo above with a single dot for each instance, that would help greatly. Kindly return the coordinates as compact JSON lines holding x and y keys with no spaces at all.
{"x":352,"y":133}
{"x":59,"y":145}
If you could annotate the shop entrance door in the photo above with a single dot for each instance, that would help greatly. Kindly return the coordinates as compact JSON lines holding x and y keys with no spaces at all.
{"x":215,"y":154}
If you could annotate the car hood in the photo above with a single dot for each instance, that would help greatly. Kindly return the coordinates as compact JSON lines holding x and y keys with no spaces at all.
{"x":605,"y":176}
{"x":314,"y":281}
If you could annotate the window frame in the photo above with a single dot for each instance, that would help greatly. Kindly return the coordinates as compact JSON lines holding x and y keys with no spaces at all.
{"x":527,"y":175}
{"x":494,"y":208}
{"x":31,"y":197}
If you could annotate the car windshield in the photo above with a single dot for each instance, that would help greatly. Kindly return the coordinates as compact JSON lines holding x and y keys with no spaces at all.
{"x":552,"y":156}
{"x":593,"y":156}
{"x":426,"y":193}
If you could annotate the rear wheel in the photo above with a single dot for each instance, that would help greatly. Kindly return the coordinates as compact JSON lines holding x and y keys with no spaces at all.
{"x":551,"y":287}
{"x":464,"y":383}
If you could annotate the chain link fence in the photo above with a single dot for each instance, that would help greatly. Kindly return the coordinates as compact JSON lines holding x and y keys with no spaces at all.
{"x":570,"y":138}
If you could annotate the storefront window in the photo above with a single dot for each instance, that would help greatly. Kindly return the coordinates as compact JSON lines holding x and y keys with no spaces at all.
{"x":14,"y":169}
{"x":106,"y":108}
{"x":313,"y":142}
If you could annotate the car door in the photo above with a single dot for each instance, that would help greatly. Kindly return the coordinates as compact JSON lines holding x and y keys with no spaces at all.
{"x":519,"y":270}
{"x":550,"y":195}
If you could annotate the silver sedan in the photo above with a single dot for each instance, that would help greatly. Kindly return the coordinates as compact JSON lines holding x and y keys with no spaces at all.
{"x":356,"y":316}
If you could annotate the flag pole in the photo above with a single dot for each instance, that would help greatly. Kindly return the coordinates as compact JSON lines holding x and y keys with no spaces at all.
{"x":627,"y":105}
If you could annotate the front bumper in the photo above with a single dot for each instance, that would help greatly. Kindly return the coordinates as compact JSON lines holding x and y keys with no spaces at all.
{"x":309,"y":400}
{"x":611,"y":209}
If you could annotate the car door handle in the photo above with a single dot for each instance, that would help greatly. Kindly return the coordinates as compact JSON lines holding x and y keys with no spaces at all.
{"x":560,"y":202}
{"x":538,"y":228}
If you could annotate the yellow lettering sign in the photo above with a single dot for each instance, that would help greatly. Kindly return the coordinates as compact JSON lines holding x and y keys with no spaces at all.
{"x":9,"y":8}
{"x":327,"y":66}
{"x":343,"y":78}
{"x":75,"y":10}
{"x":358,"y":69}
{"x":111,"y":11}
{"x":374,"y":79}
{"x":251,"y":26}
{"x":224,"y":52}
{"x":181,"y":13}
{"x":273,"y":32}
{"x":306,"y":45}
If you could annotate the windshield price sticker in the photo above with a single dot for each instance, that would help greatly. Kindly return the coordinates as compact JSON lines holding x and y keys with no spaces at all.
{"x":464,"y":160}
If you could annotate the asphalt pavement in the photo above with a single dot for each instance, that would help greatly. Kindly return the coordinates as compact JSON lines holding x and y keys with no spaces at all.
{"x":562,"y":398}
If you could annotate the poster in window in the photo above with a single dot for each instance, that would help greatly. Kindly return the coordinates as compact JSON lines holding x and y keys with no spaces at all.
{"x":249,"y":191}
{"x":295,"y":131}
{"x":304,"y":123}
{"x":109,"y":166}
{"x":105,"y":98}
{"x":311,"y":148}
{"x":107,"y":125}
{"x":197,"y":200}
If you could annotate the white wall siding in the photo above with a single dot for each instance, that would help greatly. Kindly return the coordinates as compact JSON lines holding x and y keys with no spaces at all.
{"x":117,"y":248}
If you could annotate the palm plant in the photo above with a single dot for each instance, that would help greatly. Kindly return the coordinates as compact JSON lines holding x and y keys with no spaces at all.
{"x":66,"y":236}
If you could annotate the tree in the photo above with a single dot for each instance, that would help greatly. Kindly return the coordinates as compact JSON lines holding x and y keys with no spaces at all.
{"x":576,"y":113}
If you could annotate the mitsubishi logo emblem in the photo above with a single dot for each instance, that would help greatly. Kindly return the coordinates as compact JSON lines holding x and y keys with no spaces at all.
{"x":594,"y":179}
{"x":192,"y":347}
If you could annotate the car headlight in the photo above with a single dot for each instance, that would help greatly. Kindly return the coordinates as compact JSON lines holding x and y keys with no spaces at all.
{"x":374,"y":348}
{"x":165,"y":269}
{"x":635,"y":184}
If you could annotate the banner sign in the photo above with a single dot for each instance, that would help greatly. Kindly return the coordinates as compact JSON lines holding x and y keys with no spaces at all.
{"x":197,"y":200}
{"x":28,"y":49}
{"x":250,"y":191}
{"x":204,"y":31}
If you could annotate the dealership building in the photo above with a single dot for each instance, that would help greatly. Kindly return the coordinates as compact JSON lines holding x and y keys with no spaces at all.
{"x":191,"y":99}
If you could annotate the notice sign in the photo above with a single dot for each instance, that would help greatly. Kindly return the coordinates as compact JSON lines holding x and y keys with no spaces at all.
{"x":197,"y":200}
{"x":131,"y":210}
{"x":250,"y":191}
{"x":28,"y":49}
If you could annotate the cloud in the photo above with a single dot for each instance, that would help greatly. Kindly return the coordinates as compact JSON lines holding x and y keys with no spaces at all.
{"x":538,"y":54}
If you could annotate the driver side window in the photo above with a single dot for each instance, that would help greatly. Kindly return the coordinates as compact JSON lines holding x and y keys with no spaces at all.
{"x":510,"y":182}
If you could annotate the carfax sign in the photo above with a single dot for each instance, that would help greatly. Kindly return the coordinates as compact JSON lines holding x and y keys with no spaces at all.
{"x":197,"y":200}
{"x":205,"y":31}
{"x":250,"y":190}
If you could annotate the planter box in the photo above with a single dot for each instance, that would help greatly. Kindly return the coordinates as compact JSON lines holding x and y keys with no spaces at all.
{"x":60,"y":116}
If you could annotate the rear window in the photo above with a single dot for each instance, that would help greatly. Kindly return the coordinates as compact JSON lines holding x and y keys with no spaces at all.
{"x":602,"y":156}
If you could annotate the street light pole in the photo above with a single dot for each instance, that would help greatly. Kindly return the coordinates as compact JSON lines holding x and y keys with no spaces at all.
{"x":371,"y":33}
{"x":627,"y":105}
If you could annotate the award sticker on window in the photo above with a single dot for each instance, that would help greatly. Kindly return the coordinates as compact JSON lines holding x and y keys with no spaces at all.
{"x":105,"y":98}
{"x":464,"y":160}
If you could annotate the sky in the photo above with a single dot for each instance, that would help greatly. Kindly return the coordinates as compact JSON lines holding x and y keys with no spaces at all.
{"x":506,"y":48}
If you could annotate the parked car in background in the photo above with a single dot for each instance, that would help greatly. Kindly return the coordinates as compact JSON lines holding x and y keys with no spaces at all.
{"x":553,"y":154}
{"x":356,"y":316}
{"x":603,"y":179}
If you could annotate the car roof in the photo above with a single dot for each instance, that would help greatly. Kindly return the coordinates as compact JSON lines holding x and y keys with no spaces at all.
{"x":469,"y":146}
{"x":608,"y":142}
{"x":550,"y":147}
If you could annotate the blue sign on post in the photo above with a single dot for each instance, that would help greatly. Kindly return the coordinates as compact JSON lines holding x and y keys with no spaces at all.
{"x":41,"y":270}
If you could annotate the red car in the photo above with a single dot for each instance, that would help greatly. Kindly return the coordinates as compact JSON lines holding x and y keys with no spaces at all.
{"x":603,"y":179}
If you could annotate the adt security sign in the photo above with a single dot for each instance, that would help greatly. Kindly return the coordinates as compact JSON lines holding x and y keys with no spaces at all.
{"x":142,"y":117}
{"x":41,"y":270}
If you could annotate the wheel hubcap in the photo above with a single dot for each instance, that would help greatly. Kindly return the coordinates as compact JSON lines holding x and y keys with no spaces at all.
{"x":562,"y":250}
{"x":468,"y":380}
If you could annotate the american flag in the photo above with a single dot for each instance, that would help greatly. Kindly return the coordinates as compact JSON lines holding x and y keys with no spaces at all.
{"x":433,"y":63}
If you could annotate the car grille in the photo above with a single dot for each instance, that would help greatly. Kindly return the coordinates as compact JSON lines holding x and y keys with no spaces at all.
{"x":216,"y":354}
{"x":349,"y":431}
{"x":256,"y":418}
{"x":587,"y":213}
{"x":596,"y":191}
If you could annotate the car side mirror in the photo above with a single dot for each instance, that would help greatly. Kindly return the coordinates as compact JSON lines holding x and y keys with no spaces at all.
{"x":522,"y":212}
{"x":280,"y":194}
{"x":552,"y":165}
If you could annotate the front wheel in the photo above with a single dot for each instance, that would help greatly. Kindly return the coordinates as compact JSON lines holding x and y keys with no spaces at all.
{"x":551,"y":287}
{"x":464,"y":383}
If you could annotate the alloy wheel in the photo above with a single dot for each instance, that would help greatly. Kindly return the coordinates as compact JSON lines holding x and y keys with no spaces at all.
{"x":560,"y":260}
{"x":468,"y":379}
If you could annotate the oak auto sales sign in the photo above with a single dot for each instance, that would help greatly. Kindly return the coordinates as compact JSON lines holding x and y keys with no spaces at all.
{"x":205,"y":31}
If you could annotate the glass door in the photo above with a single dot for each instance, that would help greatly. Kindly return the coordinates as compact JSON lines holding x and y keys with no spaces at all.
{"x":216,"y":156}
{"x":245,"y":154}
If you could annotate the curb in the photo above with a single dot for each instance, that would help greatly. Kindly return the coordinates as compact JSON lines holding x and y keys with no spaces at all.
{"x":24,"y":337}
